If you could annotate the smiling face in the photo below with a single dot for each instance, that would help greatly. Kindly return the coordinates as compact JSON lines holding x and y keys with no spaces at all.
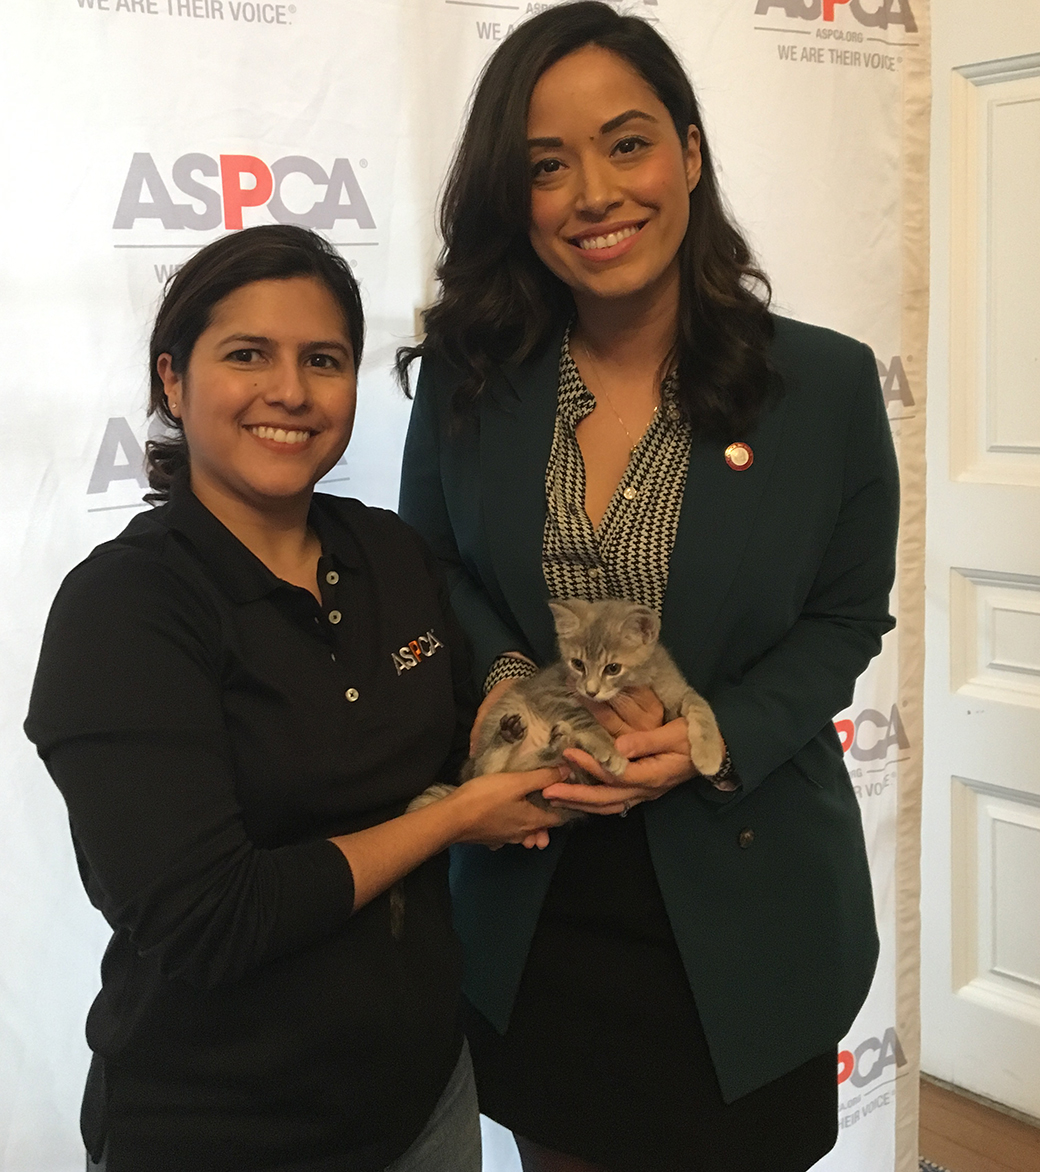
{"x":611,"y":178}
{"x":267,"y":403}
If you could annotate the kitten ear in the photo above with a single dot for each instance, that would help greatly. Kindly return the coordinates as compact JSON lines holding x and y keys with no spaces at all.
{"x":565,"y":616}
{"x":642,"y":624}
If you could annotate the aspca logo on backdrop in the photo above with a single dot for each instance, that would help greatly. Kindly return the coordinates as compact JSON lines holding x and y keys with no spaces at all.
{"x":244,"y":182}
{"x":861,"y":1069}
{"x":869,"y":13}
{"x":871,"y":1058}
{"x":870,"y":736}
{"x":894,"y":384}
{"x":120,"y":457}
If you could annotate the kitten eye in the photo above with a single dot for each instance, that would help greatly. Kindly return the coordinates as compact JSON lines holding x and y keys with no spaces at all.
{"x":612,"y":669}
{"x":577,"y":664}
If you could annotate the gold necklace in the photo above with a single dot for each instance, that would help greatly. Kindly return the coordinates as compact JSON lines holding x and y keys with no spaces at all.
{"x":634,"y":443}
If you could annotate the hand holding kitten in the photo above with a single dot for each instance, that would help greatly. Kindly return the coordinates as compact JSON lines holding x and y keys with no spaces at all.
{"x":635,"y":710}
{"x":611,"y":666}
{"x":659,"y":760}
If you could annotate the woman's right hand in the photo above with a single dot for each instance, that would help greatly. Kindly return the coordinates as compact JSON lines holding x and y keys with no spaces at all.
{"x":494,"y":809}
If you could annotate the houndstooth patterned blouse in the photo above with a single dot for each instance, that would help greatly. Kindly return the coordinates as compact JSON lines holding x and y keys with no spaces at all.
{"x":628,"y":555}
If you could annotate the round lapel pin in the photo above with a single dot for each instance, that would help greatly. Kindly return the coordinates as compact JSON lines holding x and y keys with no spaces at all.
{"x":739,"y":457}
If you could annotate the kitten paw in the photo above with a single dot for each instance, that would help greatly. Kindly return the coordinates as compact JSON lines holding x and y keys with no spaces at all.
{"x":606,"y":755}
{"x":616,"y":764}
{"x":612,"y":761}
{"x":511,"y":728}
{"x":706,"y":751}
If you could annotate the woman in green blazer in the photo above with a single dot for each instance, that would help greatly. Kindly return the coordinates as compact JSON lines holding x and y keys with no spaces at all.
{"x":666,"y":990}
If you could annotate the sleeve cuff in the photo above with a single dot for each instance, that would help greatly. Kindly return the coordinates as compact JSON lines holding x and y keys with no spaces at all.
{"x":508,"y":667}
{"x":725,"y":778}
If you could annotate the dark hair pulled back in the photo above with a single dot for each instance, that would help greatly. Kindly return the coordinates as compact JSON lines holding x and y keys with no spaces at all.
{"x":499,"y":303}
{"x":268,"y":252}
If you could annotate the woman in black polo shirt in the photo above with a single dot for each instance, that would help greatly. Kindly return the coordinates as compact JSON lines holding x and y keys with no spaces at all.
{"x":238,"y":697}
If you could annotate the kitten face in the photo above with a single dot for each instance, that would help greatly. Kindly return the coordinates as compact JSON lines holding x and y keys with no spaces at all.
{"x":603,"y":643}
{"x":598,"y":675}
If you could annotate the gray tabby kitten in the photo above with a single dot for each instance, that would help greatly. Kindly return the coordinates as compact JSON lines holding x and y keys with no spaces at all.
{"x":605,"y":647}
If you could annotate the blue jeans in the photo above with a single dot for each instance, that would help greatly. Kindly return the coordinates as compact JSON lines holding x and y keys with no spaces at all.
{"x":450,"y":1141}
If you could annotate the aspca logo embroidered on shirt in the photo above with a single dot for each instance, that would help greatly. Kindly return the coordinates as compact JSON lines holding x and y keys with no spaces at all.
{"x":411,"y":655}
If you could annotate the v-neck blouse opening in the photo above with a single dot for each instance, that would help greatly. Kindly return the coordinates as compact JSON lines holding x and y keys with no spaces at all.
{"x":627,"y":554}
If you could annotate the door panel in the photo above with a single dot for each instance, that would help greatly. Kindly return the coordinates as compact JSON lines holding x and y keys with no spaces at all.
{"x":981,"y":822}
{"x":995,"y":271}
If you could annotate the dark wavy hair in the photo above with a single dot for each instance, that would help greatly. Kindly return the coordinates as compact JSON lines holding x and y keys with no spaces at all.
{"x":499,"y":303}
{"x":269,"y":252}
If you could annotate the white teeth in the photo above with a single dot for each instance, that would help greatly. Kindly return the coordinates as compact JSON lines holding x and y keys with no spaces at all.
{"x":590,"y":242}
{"x":280,"y":435}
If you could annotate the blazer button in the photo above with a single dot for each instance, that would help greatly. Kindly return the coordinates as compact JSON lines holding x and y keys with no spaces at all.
{"x":746,"y":837}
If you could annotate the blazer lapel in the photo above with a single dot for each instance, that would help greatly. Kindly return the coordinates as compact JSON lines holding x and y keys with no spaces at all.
{"x":517,"y":417}
{"x":719,"y":510}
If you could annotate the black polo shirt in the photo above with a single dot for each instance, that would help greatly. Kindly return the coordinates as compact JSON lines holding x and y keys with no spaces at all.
{"x":210,"y":726}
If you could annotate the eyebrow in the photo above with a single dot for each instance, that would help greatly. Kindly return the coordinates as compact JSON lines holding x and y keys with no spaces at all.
{"x":606,"y":128}
{"x":628,"y":116}
{"x":261,"y":340}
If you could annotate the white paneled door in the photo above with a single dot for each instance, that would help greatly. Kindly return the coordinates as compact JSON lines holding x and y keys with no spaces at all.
{"x":981,"y":849}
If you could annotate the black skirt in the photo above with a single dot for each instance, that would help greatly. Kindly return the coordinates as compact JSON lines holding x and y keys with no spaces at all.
{"x":605,"y":1057}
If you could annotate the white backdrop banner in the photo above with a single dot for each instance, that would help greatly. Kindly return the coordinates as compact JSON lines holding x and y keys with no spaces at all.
{"x":137,"y":130}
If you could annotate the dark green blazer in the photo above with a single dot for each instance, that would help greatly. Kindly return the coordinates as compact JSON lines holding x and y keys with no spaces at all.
{"x":777,"y":599}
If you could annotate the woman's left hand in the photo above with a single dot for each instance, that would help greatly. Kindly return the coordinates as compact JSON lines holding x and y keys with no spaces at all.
{"x":659,"y":758}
